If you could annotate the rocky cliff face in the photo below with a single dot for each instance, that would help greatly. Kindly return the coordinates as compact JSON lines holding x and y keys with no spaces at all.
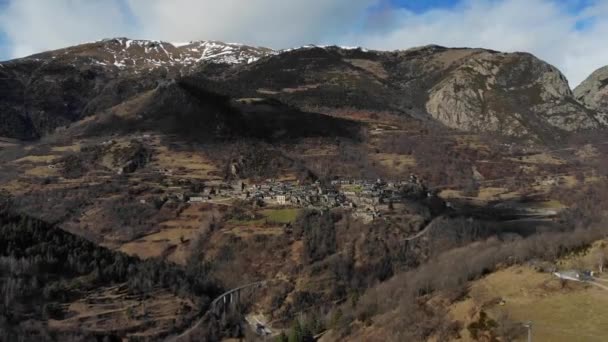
{"x":593,"y":92}
{"x":513,"y":94}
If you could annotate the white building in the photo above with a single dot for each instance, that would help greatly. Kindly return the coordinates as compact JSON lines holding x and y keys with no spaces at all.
{"x":282,"y":199}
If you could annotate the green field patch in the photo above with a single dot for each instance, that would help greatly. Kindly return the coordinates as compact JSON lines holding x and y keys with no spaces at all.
{"x":281,"y":215}
{"x":352,"y":187}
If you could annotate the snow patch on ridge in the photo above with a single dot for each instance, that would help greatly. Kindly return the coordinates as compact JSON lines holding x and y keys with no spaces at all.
{"x":180,"y":44}
{"x":142,"y":54}
{"x":312,"y":46}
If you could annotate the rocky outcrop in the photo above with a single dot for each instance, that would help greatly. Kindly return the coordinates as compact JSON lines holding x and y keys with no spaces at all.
{"x":512,"y":94}
{"x":593,"y":92}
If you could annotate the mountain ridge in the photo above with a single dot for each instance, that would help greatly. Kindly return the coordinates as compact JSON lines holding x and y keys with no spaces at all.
{"x":467,"y":89}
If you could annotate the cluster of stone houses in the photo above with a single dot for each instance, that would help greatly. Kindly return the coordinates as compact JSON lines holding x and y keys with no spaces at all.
{"x":370,"y":197}
{"x":366,"y":197}
{"x":310,"y":195}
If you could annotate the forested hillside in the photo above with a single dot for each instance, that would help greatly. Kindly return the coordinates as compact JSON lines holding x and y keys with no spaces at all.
{"x":43,"y":269}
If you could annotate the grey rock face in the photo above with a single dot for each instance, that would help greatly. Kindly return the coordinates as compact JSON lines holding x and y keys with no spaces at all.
{"x":512,"y":94}
{"x":593,"y":91}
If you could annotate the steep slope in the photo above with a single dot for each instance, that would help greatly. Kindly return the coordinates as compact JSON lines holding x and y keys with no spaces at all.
{"x":190,"y":110}
{"x":316,"y":76}
{"x":472,"y":90}
{"x":593,"y":91}
{"x":515,"y":94}
{"x":41,"y":95}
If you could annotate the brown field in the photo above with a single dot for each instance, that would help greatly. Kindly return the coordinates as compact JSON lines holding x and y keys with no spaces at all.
{"x":473,"y":142}
{"x":36,"y":159}
{"x":246,"y":232}
{"x":192,"y":164}
{"x":573,"y":312}
{"x":112,"y":309}
{"x":484,"y":194}
{"x":172,"y":240}
{"x":540,"y":158}
{"x":69,"y":148}
{"x":395,"y":162}
{"x":557,"y":314}
{"x":41,"y":171}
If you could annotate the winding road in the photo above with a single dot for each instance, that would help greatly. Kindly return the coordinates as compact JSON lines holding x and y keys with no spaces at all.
{"x":595,"y":283}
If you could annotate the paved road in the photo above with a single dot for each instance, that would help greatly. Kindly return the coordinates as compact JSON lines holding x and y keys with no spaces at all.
{"x":593,"y":281}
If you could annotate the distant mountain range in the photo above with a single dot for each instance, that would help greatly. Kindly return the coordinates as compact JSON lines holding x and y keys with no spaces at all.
{"x":473,"y":90}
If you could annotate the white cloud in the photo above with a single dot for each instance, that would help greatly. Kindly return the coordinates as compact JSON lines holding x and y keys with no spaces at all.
{"x":542,"y":27}
{"x":36,"y":25}
{"x":274,"y":23}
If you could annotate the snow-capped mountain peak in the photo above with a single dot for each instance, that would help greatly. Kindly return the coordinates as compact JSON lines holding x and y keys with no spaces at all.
{"x":149,"y":54}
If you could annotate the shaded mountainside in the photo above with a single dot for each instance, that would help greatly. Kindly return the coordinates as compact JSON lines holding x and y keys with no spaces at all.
{"x":472,"y":90}
{"x":188,"y":109}
{"x":41,"y":95}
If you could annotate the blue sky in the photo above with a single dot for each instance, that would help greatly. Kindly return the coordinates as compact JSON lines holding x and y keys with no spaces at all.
{"x":567,"y":33}
{"x":419,"y":6}
{"x":416,"y":6}
{"x":4,"y":50}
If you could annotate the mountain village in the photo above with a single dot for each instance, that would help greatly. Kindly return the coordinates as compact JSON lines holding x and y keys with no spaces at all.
{"x":367,"y":198}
